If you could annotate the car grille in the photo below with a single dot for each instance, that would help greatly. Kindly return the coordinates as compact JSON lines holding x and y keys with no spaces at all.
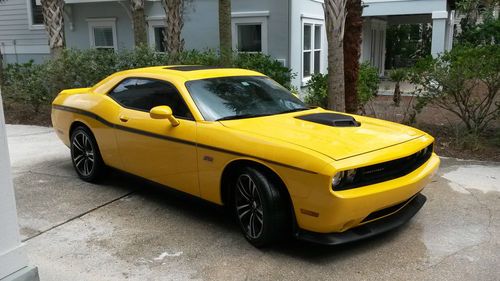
{"x":388,"y":170}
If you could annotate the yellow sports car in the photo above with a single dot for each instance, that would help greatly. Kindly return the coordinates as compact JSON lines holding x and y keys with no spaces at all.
{"x":237,"y":138}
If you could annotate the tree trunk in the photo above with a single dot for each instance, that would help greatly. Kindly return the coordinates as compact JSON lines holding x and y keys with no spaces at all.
{"x":1,"y":71}
{"x":53,"y":20}
{"x":226,"y":50}
{"x":139,"y":21}
{"x":335,"y":14}
{"x":397,"y":94}
{"x":352,"y":52}
{"x":174,"y":23}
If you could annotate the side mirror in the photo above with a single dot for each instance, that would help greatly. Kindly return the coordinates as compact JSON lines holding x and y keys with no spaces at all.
{"x":164,"y":112}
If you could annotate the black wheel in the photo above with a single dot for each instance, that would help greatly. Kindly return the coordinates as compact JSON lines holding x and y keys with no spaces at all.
{"x":260,"y":208}
{"x":85,"y":155}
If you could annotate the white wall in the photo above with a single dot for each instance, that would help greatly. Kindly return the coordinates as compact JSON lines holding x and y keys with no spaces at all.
{"x":402,"y":7}
{"x":304,"y":10}
{"x":18,"y":35}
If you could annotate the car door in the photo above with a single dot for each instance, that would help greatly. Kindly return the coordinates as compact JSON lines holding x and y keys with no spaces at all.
{"x":153,"y":148}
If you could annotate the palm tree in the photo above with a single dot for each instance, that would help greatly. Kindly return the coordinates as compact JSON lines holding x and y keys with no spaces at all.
{"x":397,"y":75}
{"x":1,"y":71}
{"x":53,"y":20}
{"x":1,"y":63}
{"x":352,"y":52}
{"x":225,"y":32}
{"x":174,"y":22}
{"x":335,"y":15}
{"x":139,"y":21}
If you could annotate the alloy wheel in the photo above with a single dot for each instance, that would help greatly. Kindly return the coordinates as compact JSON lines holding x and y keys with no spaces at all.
{"x":83,"y":153}
{"x":249,"y":206}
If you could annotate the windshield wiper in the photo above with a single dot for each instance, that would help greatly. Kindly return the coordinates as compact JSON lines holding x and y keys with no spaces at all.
{"x":250,"y":115}
{"x":232,"y":117}
{"x":293,"y":110}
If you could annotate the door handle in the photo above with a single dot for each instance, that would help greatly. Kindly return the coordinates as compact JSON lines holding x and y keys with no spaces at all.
{"x":123,"y":118}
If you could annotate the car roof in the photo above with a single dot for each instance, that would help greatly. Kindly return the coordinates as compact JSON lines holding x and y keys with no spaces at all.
{"x":192,"y":72}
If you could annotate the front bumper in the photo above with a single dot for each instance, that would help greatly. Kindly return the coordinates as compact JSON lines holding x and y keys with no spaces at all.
{"x":369,"y":229}
{"x":339,"y":211}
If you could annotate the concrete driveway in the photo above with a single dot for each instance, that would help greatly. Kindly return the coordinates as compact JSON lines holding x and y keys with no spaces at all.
{"x":127,"y":229}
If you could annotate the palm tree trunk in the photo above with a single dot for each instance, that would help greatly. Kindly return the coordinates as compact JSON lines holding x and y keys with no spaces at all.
{"x":225,"y":32}
{"x":335,"y":14}
{"x":174,"y":23}
{"x":352,"y":52}
{"x":139,"y":20}
{"x":53,"y":20}
{"x":397,"y":94}
{"x":1,"y":70}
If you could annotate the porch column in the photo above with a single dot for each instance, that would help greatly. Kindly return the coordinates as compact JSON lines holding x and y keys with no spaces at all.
{"x":450,"y":30}
{"x":13,"y":259}
{"x":439,"y":34}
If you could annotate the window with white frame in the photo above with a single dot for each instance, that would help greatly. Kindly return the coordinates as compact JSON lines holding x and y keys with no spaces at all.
{"x":159,"y":39}
{"x":102,"y":33}
{"x":250,"y":34}
{"x":311,"y":48}
{"x":35,"y":15}
{"x":156,"y":31}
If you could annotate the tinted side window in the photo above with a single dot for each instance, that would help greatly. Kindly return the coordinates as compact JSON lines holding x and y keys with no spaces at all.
{"x":144,"y":94}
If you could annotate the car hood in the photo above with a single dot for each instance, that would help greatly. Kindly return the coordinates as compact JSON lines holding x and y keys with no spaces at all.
{"x":335,"y":142}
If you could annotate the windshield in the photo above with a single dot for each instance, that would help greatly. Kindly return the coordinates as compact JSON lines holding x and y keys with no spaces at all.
{"x":238,"y":97}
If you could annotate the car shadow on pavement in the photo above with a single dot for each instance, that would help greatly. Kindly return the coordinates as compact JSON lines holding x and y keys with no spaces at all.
{"x":217,"y":219}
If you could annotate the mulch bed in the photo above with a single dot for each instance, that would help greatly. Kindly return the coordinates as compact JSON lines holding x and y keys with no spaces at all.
{"x":442,"y":125}
{"x":25,"y":114}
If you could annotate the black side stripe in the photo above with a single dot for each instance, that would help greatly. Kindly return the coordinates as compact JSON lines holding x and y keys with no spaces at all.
{"x":153,"y":135}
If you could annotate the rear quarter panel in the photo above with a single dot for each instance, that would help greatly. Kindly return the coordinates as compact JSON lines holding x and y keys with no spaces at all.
{"x":84,"y":106}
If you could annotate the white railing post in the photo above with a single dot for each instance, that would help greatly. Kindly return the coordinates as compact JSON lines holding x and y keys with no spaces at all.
{"x":13,"y":259}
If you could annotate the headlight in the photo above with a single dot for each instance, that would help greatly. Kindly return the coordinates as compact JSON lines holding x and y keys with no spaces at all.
{"x":343,"y":177}
{"x":337,"y":179}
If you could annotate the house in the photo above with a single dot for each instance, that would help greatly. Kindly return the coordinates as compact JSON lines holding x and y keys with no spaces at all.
{"x":292,"y":31}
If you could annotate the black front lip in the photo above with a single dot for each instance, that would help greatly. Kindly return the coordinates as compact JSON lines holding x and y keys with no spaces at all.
{"x":367,"y":230}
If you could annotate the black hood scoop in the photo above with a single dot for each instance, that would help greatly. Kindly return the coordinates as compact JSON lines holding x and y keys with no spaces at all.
{"x":331,"y":119}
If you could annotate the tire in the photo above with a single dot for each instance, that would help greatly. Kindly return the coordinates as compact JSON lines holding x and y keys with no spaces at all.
{"x":85,"y":155}
{"x":260,"y":208}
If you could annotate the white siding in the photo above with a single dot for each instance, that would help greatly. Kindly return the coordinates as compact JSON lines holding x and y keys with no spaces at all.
{"x":16,"y":34}
{"x":305,"y":10}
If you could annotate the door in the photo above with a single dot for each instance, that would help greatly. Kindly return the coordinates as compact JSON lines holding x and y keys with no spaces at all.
{"x":153,"y":148}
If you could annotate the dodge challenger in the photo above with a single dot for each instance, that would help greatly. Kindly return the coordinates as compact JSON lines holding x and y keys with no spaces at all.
{"x":239,"y":139}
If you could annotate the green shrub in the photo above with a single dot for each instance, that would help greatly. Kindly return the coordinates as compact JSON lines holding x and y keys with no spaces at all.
{"x":266,"y":65}
{"x":367,"y":87}
{"x":38,"y":84}
{"x":76,"y":69}
{"x":368,"y":83}
{"x":474,"y":32}
{"x":195,"y":57}
{"x":142,"y":56}
{"x":26,"y":84}
{"x":465,"y":82}
{"x":316,"y":92}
